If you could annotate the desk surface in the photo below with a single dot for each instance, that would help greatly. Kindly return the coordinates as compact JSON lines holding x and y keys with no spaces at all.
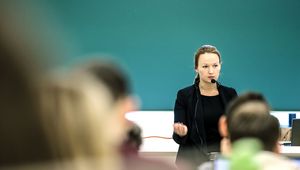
{"x":291,"y":151}
{"x":157,"y":127}
{"x":169,"y":146}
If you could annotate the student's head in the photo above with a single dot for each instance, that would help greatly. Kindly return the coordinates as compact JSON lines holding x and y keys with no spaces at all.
{"x":111,"y":75}
{"x":250,"y":101}
{"x":114,"y":78}
{"x":249,"y":116}
{"x":207,"y":63}
{"x":83,"y":120}
{"x":261,"y":126}
{"x":94,"y":97}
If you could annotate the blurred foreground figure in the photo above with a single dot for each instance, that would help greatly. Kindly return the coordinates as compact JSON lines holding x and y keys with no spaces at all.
{"x":250,"y":137}
{"x":23,"y":141}
{"x":85,"y":116}
{"x":129,"y":138}
{"x":72,"y":122}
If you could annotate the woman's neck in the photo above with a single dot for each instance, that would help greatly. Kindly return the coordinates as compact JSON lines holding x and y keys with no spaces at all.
{"x":208,"y":89}
{"x":207,"y":86}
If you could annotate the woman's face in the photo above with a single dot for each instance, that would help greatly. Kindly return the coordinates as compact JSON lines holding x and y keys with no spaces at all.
{"x":209,"y":67}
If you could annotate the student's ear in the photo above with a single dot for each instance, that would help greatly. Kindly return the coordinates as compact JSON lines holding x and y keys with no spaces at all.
{"x":223,"y":126}
{"x":130,"y":104}
{"x":277,"y":148}
{"x":127,"y":104}
{"x":123,"y":106}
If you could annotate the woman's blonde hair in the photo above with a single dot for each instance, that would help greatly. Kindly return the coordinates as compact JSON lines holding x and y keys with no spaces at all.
{"x":206,"y":49}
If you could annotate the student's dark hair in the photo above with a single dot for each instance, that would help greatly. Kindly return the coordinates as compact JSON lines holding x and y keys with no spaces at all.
{"x":112,"y":76}
{"x":261,"y":126}
{"x":257,"y":123}
{"x":242,"y":99}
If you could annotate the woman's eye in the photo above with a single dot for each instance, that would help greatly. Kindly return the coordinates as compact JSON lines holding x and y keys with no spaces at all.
{"x":216,"y":65}
{"x":204,"y":66}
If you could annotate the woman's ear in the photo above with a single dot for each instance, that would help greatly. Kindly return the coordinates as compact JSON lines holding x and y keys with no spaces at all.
{"x":223,"y":126}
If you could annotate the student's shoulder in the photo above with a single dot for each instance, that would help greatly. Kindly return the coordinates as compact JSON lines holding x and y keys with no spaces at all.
{"x":271,"y":160}
{"x":219,"y":163}
{"x":206,"y":166}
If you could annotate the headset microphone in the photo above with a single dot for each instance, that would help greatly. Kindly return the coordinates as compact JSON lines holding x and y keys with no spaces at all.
{"x":213,"y":81}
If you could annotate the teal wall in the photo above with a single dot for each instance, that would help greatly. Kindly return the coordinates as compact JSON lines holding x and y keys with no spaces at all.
{"x":155,"y":41}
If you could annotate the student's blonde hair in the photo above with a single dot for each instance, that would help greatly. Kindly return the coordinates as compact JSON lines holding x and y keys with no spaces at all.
{"x":80,"y":121}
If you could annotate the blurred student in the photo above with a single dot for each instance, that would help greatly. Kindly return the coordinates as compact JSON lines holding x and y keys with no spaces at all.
{"x":85,"y":116}
{"x":23,"y":141}
{"x":75,"y":122}
{"x":111,"y":76}
{"x":248,"y":116}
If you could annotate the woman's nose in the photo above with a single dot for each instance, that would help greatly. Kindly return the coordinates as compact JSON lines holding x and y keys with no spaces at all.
{"x":210,"y":70}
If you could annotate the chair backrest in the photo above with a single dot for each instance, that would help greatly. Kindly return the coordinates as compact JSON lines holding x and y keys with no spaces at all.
{"x":295,"y":139}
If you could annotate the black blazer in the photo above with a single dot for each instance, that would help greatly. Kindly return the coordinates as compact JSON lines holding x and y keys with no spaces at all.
{"x":193,"y":146}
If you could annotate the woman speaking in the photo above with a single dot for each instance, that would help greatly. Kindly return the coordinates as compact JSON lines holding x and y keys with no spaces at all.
{"x":198,"y":108}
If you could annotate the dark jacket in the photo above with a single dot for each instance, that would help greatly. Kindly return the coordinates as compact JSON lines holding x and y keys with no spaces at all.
{"x":193,"y":147}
